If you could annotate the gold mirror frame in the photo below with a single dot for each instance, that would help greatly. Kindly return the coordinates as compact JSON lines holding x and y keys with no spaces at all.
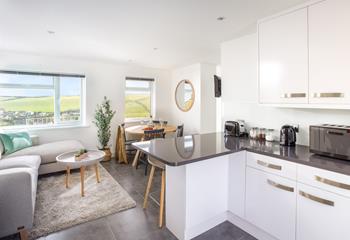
{"x":193,"y":95}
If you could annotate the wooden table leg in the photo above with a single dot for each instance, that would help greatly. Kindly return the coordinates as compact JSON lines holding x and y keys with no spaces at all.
{"x":82,"y":173}
{"x":23,"y":233}
{"x":67,"y":176}
{"x":97,"y":173}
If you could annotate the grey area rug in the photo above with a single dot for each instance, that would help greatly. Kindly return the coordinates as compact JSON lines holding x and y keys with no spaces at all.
{"x":58,"y":208}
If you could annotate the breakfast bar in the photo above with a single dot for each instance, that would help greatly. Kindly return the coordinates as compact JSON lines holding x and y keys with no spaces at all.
{"x":255,"y":185}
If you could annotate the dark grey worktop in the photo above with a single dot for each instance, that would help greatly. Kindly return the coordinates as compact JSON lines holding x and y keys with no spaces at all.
{"x":193,"y":148}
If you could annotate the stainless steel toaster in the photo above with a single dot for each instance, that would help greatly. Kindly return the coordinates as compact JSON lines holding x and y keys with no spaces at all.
{"x":330,"y":140}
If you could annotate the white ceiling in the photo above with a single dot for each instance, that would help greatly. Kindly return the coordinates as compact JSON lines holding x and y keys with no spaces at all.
{"x":184,"y":31}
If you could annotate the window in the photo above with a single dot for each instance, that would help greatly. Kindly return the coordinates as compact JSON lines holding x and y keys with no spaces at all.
{"x":138,"y":98}
{"x":40,"y":99}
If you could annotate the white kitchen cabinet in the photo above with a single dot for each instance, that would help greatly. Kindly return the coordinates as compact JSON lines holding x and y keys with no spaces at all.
{"x":321,"y":215}
{"x":273,"y":165}
{"x":271,"y":203}
{"x":329,"y":49}
{"x":326,"y":180}
{"x":236,"y":192}
{"x":283,"y":58}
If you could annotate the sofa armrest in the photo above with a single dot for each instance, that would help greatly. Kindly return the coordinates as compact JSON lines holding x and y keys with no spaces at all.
{"x":16,"y":200}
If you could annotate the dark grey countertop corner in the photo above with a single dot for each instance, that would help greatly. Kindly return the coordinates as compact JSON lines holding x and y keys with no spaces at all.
{"x":194,"y":148}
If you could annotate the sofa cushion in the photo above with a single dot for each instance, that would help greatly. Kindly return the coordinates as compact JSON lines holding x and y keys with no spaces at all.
{"x":2,"y":149}
{"x":32,"y":161}
{"x":49,"y":151}
{"x":13,"y":142}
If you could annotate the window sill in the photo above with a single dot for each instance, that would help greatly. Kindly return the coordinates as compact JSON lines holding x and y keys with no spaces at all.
{"x":42,"y":128}
{"x":136,"y":120}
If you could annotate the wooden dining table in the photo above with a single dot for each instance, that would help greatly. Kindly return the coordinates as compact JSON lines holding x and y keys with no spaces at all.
{"x":137,"y":131}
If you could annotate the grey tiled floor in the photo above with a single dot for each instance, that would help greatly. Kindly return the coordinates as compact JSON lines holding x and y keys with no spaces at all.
{"x":136,"y":223}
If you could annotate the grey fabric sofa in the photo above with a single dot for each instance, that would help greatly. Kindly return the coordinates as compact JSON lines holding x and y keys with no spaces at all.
{"x":48,"y":153}
{"x":18,"y":184}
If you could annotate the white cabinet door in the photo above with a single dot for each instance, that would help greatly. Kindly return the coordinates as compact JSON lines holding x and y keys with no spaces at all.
{"x":329,"y":36}
{"x":271,"y":203}
{"x":236,"y":193}
{"x":283,"y":59}
{"x":322,"y":215}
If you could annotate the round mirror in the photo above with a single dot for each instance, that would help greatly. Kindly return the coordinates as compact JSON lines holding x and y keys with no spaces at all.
{"x":184,"y":95}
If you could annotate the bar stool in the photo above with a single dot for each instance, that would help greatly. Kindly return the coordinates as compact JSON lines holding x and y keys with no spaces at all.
{"x":156,"y":165}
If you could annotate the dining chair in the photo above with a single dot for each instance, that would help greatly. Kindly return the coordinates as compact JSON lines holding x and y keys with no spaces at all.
{"x":180,"y":131}
{"x":149,"y":135}
{"x":123,"y":146}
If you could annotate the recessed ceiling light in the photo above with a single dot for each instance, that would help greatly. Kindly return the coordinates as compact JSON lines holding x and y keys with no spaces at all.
{"x":50,"y":32}
{"x":220,"y":18}
{"x":155,"y":49}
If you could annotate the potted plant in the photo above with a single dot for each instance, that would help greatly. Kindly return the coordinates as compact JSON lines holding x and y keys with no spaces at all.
{"x":103,"y":117}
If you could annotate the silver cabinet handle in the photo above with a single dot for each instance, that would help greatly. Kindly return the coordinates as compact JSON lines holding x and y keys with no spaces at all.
{"x":293,"y":95}
{"x":329,"y":95}
{"x":316,"y":199}
{"x":269,"y":165}
{"x":280,"y":186}
{"x":332,"y":183}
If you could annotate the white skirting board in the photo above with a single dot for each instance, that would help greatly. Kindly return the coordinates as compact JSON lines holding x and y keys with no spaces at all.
{"x":205,"y":226}
{"x":248,"y":227}
{"x":234,"y":219}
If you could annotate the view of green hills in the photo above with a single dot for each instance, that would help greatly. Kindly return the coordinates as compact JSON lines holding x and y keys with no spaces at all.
{"x":135,"y":105}
{"x":38,"y":104}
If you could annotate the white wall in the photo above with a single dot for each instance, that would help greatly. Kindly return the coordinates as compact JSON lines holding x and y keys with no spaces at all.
{"x":240,"y":94}
{"x":190,"y":119}
{"x":102,"y":79}
{"x":201,"y":118}
{"x":208,"y":100}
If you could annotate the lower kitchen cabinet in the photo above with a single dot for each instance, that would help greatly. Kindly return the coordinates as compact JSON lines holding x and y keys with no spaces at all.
{"x":322,"y":215}
{"x":236,"y":191}
{"x":271,"y":203}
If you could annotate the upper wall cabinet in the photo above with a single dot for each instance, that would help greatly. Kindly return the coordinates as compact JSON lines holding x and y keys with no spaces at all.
{"x":283,"y":58}
{"x":329,"y":48}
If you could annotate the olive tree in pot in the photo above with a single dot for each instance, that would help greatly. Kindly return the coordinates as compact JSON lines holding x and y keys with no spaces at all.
{"x":103,"y":117}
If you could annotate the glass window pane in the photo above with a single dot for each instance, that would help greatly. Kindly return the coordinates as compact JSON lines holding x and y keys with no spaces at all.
{"x":70,"y":89}
{"x":26,"y":107}
{"x":138,"y":84}
{"x":26,"y":79}
{"x":138,"y":98}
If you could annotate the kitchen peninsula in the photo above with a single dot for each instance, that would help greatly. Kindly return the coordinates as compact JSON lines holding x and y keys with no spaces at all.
{"x":255,"y":185}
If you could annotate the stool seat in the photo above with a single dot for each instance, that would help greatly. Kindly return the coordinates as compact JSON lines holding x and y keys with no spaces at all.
{"x":155,"y":162}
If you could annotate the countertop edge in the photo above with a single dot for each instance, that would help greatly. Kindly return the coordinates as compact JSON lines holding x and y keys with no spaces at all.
{"x":293,"y":160}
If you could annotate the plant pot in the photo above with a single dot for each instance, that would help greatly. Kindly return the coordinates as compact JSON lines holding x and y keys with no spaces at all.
{"x":108,"y":154}
{"x":81,"y":157}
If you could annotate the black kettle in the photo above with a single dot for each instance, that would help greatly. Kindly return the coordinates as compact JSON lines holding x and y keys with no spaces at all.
{"x":288,"y":136}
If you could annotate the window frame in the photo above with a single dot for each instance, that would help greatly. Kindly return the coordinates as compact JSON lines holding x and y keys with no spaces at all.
{"x":55,"y":87}
{"x":152,"y":97}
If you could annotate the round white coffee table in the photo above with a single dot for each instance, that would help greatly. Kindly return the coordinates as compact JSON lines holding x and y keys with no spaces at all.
{"x":68,"y":159}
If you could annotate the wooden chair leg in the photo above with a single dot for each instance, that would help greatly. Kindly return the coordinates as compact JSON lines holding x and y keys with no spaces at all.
{"x":136,"y":159}
{"x":161,"y":201}
{"x":23,"y":233}
{"x":149,"y":184}
{"x":146,"y":168}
